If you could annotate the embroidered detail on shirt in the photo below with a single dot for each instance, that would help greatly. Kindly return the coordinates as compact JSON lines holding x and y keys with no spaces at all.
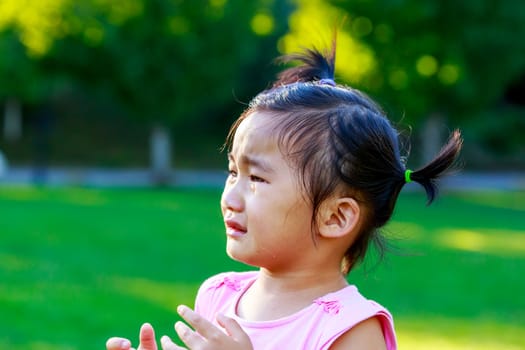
{"x":229,"y":282}
{"x":331,"y":307}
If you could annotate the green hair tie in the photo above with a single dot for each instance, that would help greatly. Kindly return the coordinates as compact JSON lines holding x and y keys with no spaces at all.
{"x":407,"y":176}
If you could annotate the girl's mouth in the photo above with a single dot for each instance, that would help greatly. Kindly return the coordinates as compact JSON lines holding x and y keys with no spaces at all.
{"x":234,"y":229}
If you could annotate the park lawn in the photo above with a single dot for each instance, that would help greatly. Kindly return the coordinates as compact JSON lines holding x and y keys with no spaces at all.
{"x":78,"y":265}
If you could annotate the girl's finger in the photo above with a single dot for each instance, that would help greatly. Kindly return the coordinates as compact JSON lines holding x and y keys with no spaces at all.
{"x":232,"y":328}
{"x":204,"y":327}
{"x":116,"y":343}
{"x":168,"y":344}
{"x":191,"y":338}
{"x":147,"y":337}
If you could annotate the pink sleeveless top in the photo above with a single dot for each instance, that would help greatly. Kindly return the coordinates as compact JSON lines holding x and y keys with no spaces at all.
{"x":315,"y":327}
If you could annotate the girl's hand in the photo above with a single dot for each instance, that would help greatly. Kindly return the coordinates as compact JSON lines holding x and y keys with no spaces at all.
{"x":206,"y":336}
{"x":147,"y":340}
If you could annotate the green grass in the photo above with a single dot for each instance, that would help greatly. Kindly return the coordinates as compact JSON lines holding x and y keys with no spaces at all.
{"x":79,"y":265}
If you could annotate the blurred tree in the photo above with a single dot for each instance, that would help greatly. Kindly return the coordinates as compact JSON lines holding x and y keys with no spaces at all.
{"x":166,"y":61}
{"x":162,"y":61}
{"x":437,"y":61}
{"x":27,"y":31}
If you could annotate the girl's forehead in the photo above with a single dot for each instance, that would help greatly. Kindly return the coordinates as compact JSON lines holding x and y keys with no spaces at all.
{"x":258,"y":120}
{"x":257,"y":130}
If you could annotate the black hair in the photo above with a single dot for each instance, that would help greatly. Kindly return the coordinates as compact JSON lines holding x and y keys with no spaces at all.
{"x":341,"y":140}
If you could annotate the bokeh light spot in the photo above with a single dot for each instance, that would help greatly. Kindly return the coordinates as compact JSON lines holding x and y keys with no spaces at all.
{"x":93,"y":35}
{"x":383,"y":33}
{"x":448,"y":74}
{"x":262,"y":24}
{"x":362,"y":26}
{"x":427,"y":65}
{"x":398,"y":79}
{"x":218,"y":3}
{"x":178,"y":25}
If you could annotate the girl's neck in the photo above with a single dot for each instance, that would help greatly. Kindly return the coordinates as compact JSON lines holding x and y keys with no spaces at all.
{"x":273,"y":296}
{"x":299,"y":282}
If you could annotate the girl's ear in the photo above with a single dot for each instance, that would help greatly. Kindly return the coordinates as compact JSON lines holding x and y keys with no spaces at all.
{"x":339,"y":217}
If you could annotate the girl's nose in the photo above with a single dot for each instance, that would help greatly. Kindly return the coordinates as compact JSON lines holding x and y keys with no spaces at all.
{"x":231,"y":199}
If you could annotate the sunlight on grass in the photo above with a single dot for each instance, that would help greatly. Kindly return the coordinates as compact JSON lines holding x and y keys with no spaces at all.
{"x":36,"y":345}
{"x":503,"y":200}
{"x":414,"y":341}
{"x":84,"y":197}
{"x":165,"y":295}
{"x":20,"y":295}
{"x":498,"y":242}
{"x":75,"y":196}
{"x":406,"y":231}
{"x":14,"y":263}
{"x":457,"y":334}
{"x":22,"y":193}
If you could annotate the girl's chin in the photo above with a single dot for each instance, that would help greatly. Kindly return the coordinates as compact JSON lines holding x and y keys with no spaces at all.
{"x":239,"y":256}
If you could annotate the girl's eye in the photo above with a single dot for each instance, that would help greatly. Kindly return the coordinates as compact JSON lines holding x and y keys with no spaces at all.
{"x":232,"y":173}
{"x":255,"y":178}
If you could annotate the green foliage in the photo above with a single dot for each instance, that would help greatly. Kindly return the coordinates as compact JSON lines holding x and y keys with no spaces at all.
{"x":26,"y":35}
{"x":20,"y":75}
{"x":89,"y":264}
{"x":177,"y":62}
{"x":312,"y":25}
{"x":158,"y":60}
{"x":446,"y":56}
{"x":450,"y":57}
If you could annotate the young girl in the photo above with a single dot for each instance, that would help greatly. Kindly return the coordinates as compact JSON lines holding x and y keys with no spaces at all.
{"x":315,"y":169}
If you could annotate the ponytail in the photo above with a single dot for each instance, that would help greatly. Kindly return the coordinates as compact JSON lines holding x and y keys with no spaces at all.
{"x":428,"y":175}
{"x":315,"y":67}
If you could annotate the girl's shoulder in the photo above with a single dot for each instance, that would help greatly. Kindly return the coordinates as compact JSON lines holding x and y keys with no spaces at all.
{"x":348,"y":300}
{"x":223,"y":290}
{"x":224,"y":287}
{"x":347,"y":308}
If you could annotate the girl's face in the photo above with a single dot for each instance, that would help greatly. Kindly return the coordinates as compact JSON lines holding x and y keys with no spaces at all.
{"x":266,"y":216}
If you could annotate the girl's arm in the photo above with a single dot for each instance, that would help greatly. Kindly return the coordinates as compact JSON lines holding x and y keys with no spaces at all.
{"x":367,"y":335}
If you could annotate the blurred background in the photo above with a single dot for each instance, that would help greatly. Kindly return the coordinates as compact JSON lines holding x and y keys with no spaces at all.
{"x":155,"y":85}
{"x":113,"y":113}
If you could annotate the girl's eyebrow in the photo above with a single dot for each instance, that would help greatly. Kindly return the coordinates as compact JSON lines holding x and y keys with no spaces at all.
{"x":253,"y":161}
